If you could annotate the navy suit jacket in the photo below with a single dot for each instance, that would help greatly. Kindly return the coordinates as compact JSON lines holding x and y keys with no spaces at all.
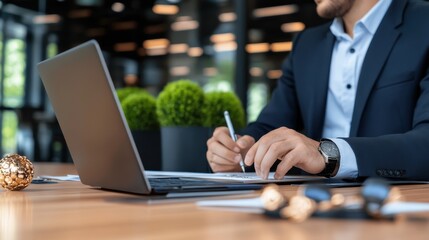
{"x":390,"y":125}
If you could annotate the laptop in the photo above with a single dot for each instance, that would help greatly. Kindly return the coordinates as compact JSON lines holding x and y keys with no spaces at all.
{"x":101,"y":145}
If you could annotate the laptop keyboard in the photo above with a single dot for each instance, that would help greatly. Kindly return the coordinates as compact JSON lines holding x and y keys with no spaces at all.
{"x":176,"y":184}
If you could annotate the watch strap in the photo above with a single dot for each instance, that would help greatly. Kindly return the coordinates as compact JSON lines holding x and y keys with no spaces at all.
{"x":330,"y":170}
{"x":331,"y":165}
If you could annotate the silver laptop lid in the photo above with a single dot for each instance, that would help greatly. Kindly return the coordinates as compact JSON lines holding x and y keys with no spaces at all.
{"x":80,"y":89}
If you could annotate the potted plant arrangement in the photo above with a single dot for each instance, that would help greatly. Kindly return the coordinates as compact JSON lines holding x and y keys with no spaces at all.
{"x":216,"y":103}
{"x":183,"y":134}
{"x":139,"y":108}
{"x":123,"y":93}
{"x":188,"y":117}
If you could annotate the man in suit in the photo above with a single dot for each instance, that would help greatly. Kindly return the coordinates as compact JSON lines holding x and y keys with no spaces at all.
{"x":353,"y":100}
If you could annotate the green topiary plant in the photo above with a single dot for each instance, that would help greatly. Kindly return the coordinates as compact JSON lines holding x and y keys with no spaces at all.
{"x":215,"y":105}
{"x":140,"y":111}
{"x":126,"y":91}
{"x":180,"y":103}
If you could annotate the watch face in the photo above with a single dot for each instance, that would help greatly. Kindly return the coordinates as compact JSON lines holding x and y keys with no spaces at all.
{"x":330,"y":149}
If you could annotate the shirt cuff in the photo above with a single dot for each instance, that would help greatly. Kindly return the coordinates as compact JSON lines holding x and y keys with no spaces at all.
{"x":348,"y":165}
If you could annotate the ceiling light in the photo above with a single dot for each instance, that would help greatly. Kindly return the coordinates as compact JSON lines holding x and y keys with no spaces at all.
{"x":275,"y":11}
{"x":178,"y":48}
{"x":293,"y":27}
{"x":184,"y":25}
{"x":281,"y":47}
{"x":180,"y":71}
{"x":225,"y":46}
{"x":257,"y":47}
{"x":195,"y":52}
{"x":274,"y":74}
{"x":222,"y":37}
{"x":227,"y":17}
{"x":46,"y":19}
{"x":161,"y":43}
{"x":165,"y":9}
{"x":256,"y":72}
{"x":156,"y":52}
{"x":118,"y":7}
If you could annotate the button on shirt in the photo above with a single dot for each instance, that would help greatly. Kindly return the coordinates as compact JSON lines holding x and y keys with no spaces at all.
{"x":347,"y":58}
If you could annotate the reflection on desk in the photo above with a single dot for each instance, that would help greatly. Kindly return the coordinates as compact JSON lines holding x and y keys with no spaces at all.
{"x":70,"y":210}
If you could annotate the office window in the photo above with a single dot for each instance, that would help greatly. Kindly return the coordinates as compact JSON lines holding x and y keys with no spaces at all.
{"x":9,"y":131}
{"x":12,"y":83}
{"x":14,"y":67}
{"x":258,"y":97}
{"x":51,"y":50}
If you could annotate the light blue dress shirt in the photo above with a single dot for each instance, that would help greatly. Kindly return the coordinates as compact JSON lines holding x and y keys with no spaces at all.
{"x":347,"y":58}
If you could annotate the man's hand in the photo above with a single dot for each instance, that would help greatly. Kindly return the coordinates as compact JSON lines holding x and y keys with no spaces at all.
{"x":223,"y":154}
{"x":289,"y":146}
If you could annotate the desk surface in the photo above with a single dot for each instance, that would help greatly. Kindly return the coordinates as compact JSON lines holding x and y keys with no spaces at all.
{"x":70,"y":210}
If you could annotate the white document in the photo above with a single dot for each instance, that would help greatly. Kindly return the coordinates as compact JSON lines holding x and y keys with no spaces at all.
{"x":248,"y":177}
{"x":394,"y":208}
{"x":248,"y":205}
{"x":69,"y":177}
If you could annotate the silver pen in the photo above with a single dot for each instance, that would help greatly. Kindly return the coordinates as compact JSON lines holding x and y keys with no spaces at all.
{"x":232,"y":133}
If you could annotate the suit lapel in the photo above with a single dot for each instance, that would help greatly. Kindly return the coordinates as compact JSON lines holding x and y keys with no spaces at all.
{"x":377,"y":54}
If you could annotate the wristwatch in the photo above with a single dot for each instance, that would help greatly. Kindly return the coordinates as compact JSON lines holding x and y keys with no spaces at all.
{"x":331,"y":154}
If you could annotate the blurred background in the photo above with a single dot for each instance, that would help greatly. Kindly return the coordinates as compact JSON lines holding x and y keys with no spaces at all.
{"x":237,"y":45}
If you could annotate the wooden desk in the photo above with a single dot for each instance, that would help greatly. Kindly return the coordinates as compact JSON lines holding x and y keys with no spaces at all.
{"x":70,"y":210}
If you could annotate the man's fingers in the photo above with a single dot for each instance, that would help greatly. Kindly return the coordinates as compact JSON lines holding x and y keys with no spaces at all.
{"x":218,"y":153}
{"x":276,"y":151}
{"x":218,"y":159}
{"x":245,"y":142}
{"x":221,"y":135}
{"x":225,"y":168}
{"x":285,"y":165}
{"x":250,"y":157}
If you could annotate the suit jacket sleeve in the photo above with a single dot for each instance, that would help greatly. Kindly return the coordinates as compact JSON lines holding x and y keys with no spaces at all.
{"x":282,"y":109}
{"x":403,"y":155}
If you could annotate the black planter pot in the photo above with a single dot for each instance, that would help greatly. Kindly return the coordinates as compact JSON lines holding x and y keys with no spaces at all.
{"x":148,"y":144}
{"x":184,"y":148}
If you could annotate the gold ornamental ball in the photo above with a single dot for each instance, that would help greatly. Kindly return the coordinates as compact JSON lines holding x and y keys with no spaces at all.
{"x":16,"y":172}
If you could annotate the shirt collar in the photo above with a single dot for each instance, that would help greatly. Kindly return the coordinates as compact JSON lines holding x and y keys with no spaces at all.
{"x":370,"y":21}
